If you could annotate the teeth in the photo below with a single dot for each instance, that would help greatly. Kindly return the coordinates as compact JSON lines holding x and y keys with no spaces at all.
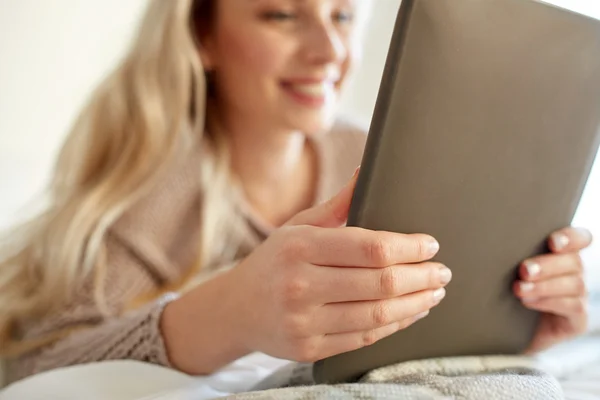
{"x":313,"y":89}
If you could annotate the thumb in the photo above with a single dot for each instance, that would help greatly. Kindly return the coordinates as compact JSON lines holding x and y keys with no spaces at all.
{"x":332,"y":213}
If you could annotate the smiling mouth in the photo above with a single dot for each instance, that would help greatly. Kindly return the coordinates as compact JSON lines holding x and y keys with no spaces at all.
{"x":313,"y":94}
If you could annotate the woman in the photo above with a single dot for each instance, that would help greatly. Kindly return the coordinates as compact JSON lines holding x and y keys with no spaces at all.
{"x":194,"y":215}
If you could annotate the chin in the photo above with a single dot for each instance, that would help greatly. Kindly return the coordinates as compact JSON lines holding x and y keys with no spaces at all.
{"x":314,"y":123}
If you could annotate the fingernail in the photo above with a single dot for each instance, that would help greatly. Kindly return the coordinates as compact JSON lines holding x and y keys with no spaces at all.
{"x":526,"y":286}
{"x":421,"y":315}
{"x":439,"y":294}
{"x":434,"y":247}
{"x":585,"y":234}
{"x":560,"y":241}
{"x":529,"y":299}
{"x":355,"y":172}
{"x":533,"y":268}
{"x":445,"y":275}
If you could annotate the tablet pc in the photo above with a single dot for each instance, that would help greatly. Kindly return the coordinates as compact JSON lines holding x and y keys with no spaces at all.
{"x":485,"y":129}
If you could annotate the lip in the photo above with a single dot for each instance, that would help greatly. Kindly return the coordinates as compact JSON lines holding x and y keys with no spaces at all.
{"x":310,"y":100}
{"x":308,"y":80}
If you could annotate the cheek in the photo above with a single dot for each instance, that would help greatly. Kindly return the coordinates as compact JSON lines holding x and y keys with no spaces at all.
{"x":251,"y":57}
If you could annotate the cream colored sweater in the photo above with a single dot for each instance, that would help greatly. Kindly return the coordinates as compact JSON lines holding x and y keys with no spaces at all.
{"x":152,"y":245}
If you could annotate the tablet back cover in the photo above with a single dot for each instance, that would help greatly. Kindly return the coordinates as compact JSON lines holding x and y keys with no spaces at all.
{"x":484,"y":134}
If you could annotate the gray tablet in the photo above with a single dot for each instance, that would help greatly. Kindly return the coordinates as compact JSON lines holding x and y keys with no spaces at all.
{"x":484,"y":133}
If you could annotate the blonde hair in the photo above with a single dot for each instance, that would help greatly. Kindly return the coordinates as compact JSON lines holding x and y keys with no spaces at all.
{"x":148,"y":113}
{"x":145,"y":116}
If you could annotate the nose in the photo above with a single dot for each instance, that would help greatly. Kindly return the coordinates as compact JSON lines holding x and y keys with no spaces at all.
{"x":325,"y":44}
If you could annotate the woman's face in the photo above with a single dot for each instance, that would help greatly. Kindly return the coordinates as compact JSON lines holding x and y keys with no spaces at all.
{"x":279,"y":65}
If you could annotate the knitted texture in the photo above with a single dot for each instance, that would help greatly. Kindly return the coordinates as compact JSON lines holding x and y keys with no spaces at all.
{"x":154,"y":244}
{"x":465,"y":378}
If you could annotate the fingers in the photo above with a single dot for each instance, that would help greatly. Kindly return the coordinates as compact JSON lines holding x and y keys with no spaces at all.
{"x":344,"y":342}
{"x":568,"y":307}
{"x":332,"y":213}
{"x":569,"y":240}
{"x":370,"y":315}
{"x":362,"y":284}
{"x":357,"y":247}
{"x":562,"y":286}
{"x":550,"y":265}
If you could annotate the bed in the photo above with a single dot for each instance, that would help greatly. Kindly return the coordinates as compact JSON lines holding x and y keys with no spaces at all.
{"x":575,"y":364}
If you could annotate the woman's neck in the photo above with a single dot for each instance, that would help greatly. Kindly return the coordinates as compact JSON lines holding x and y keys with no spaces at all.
{"x":277,"y":170}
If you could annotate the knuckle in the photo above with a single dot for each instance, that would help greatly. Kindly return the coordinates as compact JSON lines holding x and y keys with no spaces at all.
{"x":369,"y":338}
{"x":580,"y":285}
{"x":295,"y":326}
{"x":294,"y":290}
{"x":421,"y":248}
{"x":389,"y":284}
{"x":378,"y":251}
{"x":433,"y":275}
{"x":580,"y":306}
{"x":381,"y":314}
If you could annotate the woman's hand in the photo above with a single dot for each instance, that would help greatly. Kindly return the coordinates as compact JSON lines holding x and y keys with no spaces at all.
{"x":314,"y":289}
{"x":554,"y":284}
{"x":311,"y":290}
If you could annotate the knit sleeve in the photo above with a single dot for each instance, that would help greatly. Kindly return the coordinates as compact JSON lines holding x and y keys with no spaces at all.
{"x":112,"y":335}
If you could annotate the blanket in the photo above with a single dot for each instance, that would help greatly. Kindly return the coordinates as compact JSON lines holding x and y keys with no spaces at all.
{"x":468,"y":378}
{"x":575,"y":364}
{"x":464,"y":378}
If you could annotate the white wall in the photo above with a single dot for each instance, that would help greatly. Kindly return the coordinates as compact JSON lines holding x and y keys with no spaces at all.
{"x":361,"y":94}
{"x":53,"y":52}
